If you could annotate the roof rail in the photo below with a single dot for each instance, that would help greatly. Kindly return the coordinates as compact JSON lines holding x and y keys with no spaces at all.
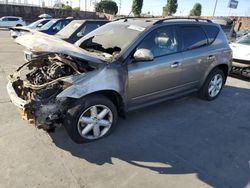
{"x":182,"y":18}
{"x":126,"y":18}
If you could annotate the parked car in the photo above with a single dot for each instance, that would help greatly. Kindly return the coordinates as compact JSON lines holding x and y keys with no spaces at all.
{"x":11,"y":21}
{"x":54,"y":25}
{"x":242,"y":33}
{"x":241,"y":56}
{"x":79,"y":28}
{"x":121,"y":66}
{"x":227,"y":26}
{"x":17,"y":31}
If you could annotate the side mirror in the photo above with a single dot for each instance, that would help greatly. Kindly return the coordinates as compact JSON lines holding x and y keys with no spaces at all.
{"x":143,"y":55}
{"x":79,"y":34}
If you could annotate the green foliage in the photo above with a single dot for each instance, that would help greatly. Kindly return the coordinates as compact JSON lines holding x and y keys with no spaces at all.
{"x":196,"y":10}
{"x":170,"y":8}
{"x":67,"y":7}
{"x":76,"y":8}
{"x":107,"y":6}
{"x":136,"y":7}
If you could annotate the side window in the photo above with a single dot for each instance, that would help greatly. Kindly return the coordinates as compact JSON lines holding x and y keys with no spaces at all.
{"x":5,"y":19}
{"x":58,"y":26}
{"x":64,"y":23}
{"x":89,"y":27}
{"x":13,"y":19}
{"x":193,"y":37}
{"x":212,"y":32}
{"x":161,"y":41}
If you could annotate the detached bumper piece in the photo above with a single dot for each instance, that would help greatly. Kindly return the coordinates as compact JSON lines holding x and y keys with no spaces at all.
{"x":241,"y":67}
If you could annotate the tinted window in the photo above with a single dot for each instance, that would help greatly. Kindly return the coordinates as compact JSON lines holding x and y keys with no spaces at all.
{"x":244,"y":40}
{"x":161,"y":41}
{"x":211,"y":31}
{"x":193,"y":37}
{"x":13,"y":19}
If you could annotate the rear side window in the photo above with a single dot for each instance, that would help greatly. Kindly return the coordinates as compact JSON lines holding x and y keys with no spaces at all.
{"x":13,"y":19}
{"x":193,"y":37}
{"x":212,"y":32}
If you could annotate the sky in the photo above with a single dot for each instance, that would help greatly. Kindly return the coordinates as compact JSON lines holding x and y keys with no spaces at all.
{"x":155,"y":6}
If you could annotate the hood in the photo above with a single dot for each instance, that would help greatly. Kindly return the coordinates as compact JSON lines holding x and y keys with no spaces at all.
{"x":43,"y":43}
{"x":240,"y":51}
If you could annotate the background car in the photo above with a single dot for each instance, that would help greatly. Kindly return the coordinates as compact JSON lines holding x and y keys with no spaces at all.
{"x":17,"y":31}
{"x":241,"y":56}
{"x":79,"y":28}
{"x":227,"y":26}
{"x":242,"y":32}
{"x":11,"y":21}
{"x":54,"y":25}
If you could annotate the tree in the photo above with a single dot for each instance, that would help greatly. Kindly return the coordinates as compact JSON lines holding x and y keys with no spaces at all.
{"x":136,"y":7}
{"x":67,"y":7}
{"x":76,"y":8}
{"x":170,"y":8}
{"x":196,"y":10}
{"x":107,"y":6}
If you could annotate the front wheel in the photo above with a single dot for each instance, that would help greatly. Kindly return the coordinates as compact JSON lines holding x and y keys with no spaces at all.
{"x":213,"y":85}
{"x":92,"y":118}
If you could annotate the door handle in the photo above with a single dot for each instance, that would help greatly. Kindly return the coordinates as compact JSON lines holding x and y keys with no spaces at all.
{"x":175,"y":65}
{"x":211,"y":57}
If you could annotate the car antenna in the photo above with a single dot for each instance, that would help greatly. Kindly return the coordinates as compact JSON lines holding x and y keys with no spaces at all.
{"x":126,"y":18}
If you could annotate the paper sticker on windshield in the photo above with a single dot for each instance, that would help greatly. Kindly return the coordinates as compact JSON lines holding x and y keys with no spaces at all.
{"x":136,"y":27}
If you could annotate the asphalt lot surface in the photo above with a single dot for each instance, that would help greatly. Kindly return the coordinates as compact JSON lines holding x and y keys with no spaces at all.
{"x":182,"y":143}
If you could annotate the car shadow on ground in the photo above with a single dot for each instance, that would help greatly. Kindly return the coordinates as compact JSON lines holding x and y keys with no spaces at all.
{"x":187,"y":135}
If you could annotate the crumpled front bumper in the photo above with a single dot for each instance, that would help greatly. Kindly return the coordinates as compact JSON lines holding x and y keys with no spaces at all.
{"x":19,"y":102}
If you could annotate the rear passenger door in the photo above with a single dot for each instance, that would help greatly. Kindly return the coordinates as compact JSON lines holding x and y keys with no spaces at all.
{"x":196,"y":54}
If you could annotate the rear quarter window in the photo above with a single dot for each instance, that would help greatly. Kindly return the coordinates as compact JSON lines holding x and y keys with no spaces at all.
{"x":212,"y":32}
{"x":193,"y":37}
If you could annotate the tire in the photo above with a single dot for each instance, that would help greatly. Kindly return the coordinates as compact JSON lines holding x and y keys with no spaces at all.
{"x":18,"y":25}
{"x":205,"y":91}
{"x":83,"y":108}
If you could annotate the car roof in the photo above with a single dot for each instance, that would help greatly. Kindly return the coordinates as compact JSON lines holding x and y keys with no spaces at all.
{"x":148,"y":22}
{"x":88,"y":20}
{"x":11,"y":17}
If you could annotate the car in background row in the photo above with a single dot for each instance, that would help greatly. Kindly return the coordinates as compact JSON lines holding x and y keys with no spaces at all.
{"x":227,"y":26}
{"x":17,"y":31}
{"x":241,"y":56}
{"x":11,"y":21}
{"x":55,"y":25}
{"x":242,"y":32}
{"x":79,"y":28}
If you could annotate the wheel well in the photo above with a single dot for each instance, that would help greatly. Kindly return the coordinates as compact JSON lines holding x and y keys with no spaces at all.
{"x":19,"y":25}
{"x":115,"y":97}
{"x":224,"y":68}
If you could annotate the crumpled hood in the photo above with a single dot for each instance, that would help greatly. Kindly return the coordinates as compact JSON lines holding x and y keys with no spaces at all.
{"x":43,"y":43}
{"x":240,"y":51}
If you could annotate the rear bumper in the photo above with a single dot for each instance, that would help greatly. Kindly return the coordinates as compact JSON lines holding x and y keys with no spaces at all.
{"x":241,"y":67}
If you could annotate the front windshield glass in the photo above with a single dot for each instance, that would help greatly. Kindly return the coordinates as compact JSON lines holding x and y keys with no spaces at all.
{"x":34,"y":24}
{"x":69,"y":29}
{"x":48,"y":25}
{"x":110,"y":39}
{"x":244,"y":40}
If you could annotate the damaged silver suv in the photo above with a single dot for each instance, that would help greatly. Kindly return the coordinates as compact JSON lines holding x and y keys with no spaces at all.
{"x":121,"y":66}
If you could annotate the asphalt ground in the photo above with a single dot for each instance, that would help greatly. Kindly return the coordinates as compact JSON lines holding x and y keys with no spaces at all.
{"x":182,"y":143}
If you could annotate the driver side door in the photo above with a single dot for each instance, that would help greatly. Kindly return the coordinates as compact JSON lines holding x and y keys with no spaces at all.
{"x":152,"y":80}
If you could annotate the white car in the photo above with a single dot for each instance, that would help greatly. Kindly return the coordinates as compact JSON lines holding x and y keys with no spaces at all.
{"x":241,"y":56}
{"x":11,"y":21}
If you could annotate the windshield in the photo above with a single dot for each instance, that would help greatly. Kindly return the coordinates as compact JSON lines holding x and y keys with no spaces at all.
{"x":34,"y":24}
{"x":244,"y":40}
{"x":48,"y":24}
{"x":67,"y":31}
{"x":110,"y":39}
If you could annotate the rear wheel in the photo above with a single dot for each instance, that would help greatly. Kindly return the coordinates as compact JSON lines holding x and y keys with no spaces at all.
{"x":213,"y":85}
{"x":19,"y":25}
{"x":92,"y":118}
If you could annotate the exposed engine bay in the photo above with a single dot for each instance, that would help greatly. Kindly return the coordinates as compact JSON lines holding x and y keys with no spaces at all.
{"x":39,"y":81}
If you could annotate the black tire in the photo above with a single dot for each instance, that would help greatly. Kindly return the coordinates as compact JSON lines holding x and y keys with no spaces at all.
{"x":73,"y":114}
{"x":19,"y":25}
{"x":203,"y":92}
